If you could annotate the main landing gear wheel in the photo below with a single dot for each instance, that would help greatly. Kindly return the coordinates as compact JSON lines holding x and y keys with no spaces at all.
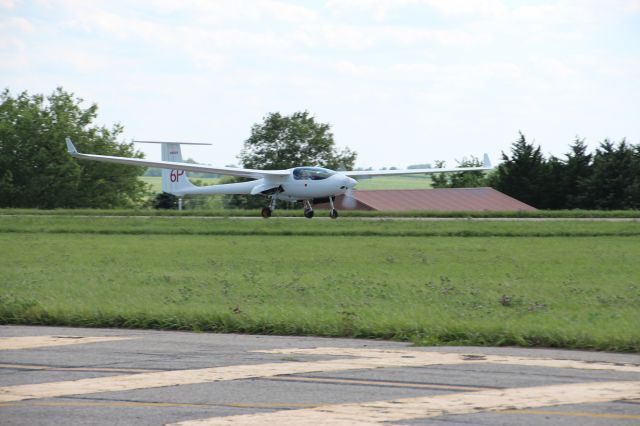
{"x":266,"y":212}
{"x":308,"y":213}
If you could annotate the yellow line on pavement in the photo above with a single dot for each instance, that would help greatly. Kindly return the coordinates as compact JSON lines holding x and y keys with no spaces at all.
{"x":384,"y":383}
{"x":88,"y":369}
{"x":132,"y":404}
{"x":270,"y":405}
{"x":204,"y":375}
{"x":574,"y":414}
{"x":368,"y":358}
{"x":374,"y":413}
{"x":30,"y":342}
{"x":448,"y":358}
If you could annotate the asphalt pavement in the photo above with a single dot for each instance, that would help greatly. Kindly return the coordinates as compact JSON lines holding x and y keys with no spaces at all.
{"x":71,"y":376}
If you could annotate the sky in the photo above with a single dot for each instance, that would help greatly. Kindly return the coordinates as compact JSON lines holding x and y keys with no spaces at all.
{"x":401,"y":82}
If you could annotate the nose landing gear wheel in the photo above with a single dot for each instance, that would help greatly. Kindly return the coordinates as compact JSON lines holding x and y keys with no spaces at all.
{"x":266,"y":212}
{"x":308,"y":213}
{"x":333,"y":214}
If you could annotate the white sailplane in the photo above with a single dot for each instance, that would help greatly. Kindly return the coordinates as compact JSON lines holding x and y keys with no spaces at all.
{"x":304,"y":183}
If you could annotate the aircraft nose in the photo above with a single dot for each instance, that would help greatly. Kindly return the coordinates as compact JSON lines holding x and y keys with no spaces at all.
{"x":347,"y":183}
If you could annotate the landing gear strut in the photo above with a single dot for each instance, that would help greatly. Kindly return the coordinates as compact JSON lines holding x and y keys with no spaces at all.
{"x":333,"y":213}
{"x":308,"y":209}
{"x":268,"y":210}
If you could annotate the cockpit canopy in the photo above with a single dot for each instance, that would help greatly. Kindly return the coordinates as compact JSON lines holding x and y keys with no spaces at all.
{"x":311,"y":173}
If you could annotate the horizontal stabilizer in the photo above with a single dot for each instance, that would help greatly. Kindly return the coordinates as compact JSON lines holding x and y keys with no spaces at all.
{"x":177,"y":143}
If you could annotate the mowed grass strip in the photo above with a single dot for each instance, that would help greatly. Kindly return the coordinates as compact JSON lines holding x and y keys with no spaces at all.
{"x":545,"y":214}
{"x":303,"y":227}
{"x":505,"y":290}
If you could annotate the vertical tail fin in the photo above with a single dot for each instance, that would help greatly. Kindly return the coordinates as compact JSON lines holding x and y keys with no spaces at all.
{"x":174,"y":181}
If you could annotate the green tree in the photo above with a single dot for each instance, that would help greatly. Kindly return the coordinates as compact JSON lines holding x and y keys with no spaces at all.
{"x":281,"y":142}
{"x":551,"y":187}
{"x":522,"y":176}
{"x":35,"y":168}
{"x":577,"y":172}
{"x":439,"y":180}
{"x":165,"y":201}
{"x":615,"y":179}
{"x":471,"y":179}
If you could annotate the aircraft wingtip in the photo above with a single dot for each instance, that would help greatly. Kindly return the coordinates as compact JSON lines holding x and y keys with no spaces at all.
{"x":487,"y":162}
{"x":70,"y":147}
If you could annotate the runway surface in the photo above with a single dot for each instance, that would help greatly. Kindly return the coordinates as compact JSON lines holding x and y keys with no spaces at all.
{"x":62,"y":376}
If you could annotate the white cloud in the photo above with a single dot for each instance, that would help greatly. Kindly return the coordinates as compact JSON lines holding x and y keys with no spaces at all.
{"x":631,"y":6}
{"x":372,"y":68}
{"x":224,"y":12}
{"x":554,"y":67}
{"x":376,"y":8}
{"x":7,"y":4}
{"x":13,"y":34}
{"x":14,"y":24}
{"x":386,"y":37}
{"x":477,"y":8}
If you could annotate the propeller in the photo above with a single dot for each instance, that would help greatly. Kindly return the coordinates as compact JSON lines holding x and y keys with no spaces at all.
{"x":349,"y":202}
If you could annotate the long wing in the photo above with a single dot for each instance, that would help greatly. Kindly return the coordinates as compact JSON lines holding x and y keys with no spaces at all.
{"x":362,"y":173}
{"x":230,"y":171}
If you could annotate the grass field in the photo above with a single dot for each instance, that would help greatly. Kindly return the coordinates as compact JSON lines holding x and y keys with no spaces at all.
{"x":559,"y":284}
{"x":221,"y":212}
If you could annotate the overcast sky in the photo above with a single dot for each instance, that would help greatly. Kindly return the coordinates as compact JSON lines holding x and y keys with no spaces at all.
{"x":400,"y":81}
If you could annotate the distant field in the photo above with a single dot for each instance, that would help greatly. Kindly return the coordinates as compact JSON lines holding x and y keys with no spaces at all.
{"x":561,"y":284}
{"x":156,"y":182}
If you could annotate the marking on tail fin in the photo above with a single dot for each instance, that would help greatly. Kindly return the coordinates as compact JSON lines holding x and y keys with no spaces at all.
{"x":175,"y":175}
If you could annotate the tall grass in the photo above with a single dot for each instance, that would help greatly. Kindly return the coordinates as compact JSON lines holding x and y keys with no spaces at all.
{"x":139,"y":225}
{"x":513,"y":289}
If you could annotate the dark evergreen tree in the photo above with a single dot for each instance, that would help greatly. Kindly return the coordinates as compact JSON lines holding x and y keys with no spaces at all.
{"x":165,"y":201}
{"x":552,"y":187}
{"x":577,"y":172}
{"x":522,"y":175}
{"x":615,"y":180}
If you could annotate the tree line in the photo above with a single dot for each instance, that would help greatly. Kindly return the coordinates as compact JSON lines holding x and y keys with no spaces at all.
{"x":607,"y":179}
{"x":37,"y":172}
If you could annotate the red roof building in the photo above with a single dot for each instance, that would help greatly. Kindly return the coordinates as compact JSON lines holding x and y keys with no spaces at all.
{"x":445,"y":199}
